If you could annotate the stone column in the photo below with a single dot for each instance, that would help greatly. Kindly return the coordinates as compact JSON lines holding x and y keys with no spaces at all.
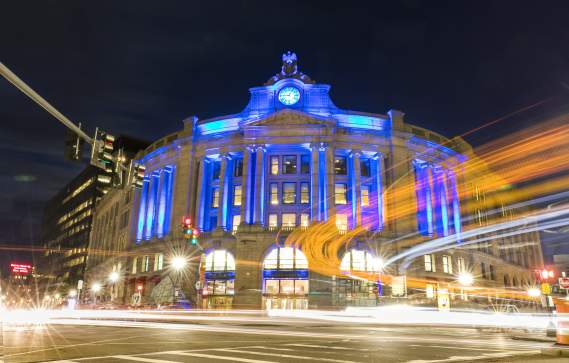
{"x":379,"y":187}
{"x":357,"y":189}
{"x":315,"y":197}
{"x":245,"y":185}
{"x":222,"y":208}
{"x":202,"y":164}
{"x":259,"y":184}
{"x":329,"y":172}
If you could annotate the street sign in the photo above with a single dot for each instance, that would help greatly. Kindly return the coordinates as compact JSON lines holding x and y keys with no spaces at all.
{"x":545,"y":288}
{"x":564,"y":282}
{"x":79,"y":284}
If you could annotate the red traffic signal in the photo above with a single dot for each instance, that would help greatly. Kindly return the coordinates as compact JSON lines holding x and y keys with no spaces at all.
{"x":187,"y":221}
{"x":545,"y":274}
{"x":139,"y":287}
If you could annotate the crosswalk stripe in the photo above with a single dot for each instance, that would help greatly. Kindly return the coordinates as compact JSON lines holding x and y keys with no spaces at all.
{"x":459,"y":348}
{"x":282,"y":355}
{"x":141,"y":359}
{"x":326,"y":347}
{"x":221,"y":357}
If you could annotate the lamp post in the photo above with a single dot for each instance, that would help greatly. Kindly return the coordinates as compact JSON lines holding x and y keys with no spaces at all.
{"x":96,"y":287}
{"x":113,"y":278}
{"x":178,"y":263}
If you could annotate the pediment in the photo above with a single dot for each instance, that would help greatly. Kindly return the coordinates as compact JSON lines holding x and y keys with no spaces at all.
{"x":288,"y":118}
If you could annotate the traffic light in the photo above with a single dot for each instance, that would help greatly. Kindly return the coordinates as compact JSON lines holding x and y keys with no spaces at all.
{"x":190,"y":233}
{"x":102,"y":154}
{"x":73,"y":146}
{"x":545,"y":275}
{"x":138,"y":175}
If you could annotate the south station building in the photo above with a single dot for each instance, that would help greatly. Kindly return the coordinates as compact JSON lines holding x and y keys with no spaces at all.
{"x":292,"y":162}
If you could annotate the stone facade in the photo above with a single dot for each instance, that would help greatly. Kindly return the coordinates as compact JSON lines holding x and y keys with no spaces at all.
{"x":292,"y":161}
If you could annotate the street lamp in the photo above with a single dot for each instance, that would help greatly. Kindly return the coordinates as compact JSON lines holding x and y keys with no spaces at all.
{"x":114,"y":277}
{"x":465,"y":279}
{"x":533,"y":292}
{"x":178,"y":263}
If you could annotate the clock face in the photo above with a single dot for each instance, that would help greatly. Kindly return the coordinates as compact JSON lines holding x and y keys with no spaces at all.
{"x":289,"y":96}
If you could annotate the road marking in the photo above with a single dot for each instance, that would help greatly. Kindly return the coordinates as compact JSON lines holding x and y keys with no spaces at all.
{"x":326,"y":347}
{"x":264,"y":347}
{"x":479,"y":357}
{"x":282,"y":355}
{"x":141,"y":359}
{"x":460,"y":348}
{"x":221,"y":357}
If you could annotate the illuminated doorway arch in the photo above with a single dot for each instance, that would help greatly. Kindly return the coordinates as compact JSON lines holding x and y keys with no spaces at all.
{"x":217,"y":276}
{"x":285,"y":279}
{"x":359,"y":283}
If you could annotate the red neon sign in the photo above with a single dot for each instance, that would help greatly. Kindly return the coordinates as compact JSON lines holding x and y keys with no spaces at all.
{"x":22,"y":269}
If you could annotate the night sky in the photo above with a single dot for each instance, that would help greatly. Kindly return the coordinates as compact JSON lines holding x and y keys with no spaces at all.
{"x":140,"y":67}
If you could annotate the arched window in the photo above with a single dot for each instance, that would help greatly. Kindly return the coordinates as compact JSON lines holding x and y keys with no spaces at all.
{"x":360,"y":260}
{"x":218,"y":274}
{"x":219,"y":260}
{"x":285,"y":277}
{"x":506,"y":280}
{"x":514,"y":282}
{"x":285,"y":258}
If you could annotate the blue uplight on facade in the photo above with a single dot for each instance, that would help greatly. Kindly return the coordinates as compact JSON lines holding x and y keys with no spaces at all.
{"x":142,"y":209}
{"x":285,"y":274}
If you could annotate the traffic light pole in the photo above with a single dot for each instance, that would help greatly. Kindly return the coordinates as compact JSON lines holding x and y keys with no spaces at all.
{"x":28,"y":91}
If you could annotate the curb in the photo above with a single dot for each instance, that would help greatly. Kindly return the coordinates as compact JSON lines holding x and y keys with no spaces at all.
{"x":533,"y":339}
{"x":556,"y":351}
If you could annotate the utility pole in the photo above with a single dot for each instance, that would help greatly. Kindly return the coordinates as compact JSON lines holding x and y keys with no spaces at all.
{"x":28,"y":91}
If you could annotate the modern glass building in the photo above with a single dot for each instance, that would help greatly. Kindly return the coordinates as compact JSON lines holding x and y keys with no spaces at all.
{"x":290,"y":160}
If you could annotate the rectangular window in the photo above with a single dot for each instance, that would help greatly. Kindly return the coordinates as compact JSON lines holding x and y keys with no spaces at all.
{"x":215,"y":197}
{"x":288,"y":220}
{"x":304,"y":219}
{"x":146,"y":263}
{"x":301,"y":287}
{"x":483,"y":270}
{"x":365,"y":167}
{"x":492,"y":273}
{"x":304,"y":193}
{"x":342,"y":222}
{"x":158,"y":261}
{"x":238,"y":168}
{"x":216,"y":170}
{"x":447,"y":264}
{"x":365,"y":195}
{"x":273,"y":220}
{"x":236,"y":222}
{"x":274,"y":165}
{"x":429,"y":291}
{"x":135,"y":265}
{"x":340,"y":194}
{"x":305,"y":164}
{"x":272,"y":286}
{"x":460,"y":265}
{"x":430,"y":263}
{"x":237,"y":195}
{"x":274,"y":189}
{"x":340,"y":165}
{"x":289,"y":193}
{"x":289,"y":164}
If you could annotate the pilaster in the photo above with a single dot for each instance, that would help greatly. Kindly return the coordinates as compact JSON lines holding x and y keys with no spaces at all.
{"x":315,"y":195}
{"x":259,"y":184}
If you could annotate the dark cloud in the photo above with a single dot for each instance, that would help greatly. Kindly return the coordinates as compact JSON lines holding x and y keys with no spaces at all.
{"x":140,"y":67}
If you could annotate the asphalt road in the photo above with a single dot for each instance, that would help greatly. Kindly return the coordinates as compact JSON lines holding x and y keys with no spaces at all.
{"x":255,"y":340}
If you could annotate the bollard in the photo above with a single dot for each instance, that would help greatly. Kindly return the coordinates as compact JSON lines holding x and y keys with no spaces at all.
{"x":562,"y":324}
